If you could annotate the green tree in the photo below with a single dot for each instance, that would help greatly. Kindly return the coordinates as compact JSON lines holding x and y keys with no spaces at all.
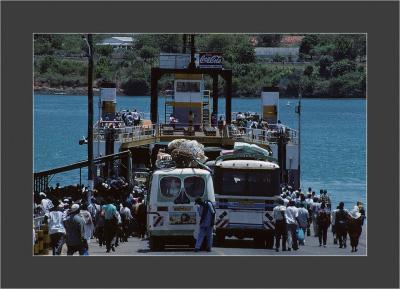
{"x":145,"y":40}
{"x":135,"y":86}
{"x":308,"y":71}
{"x":308,"y":43}
{"x":169,"y":43}
{"x":103,"y":68}
{"x":321,"y":88}
{"x":73,"y":43}
{"x":325,"y":63}
{"x":344,"y":48}
{"x":147,"y":53}
{"x":360,"y":45}
{"x":342,"y":67}
{"x":47,"y":63}
{"x":269,"y":40}
{"x":104,"y":50}
{"x":218,"y":42}
{"x":278,"y":58}
{"x":245,"y":53}
{"x":322,"y":49}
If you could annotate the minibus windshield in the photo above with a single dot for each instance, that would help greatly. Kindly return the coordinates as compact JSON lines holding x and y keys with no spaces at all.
{"x":247,"y":182}
{"x":194,"y":187}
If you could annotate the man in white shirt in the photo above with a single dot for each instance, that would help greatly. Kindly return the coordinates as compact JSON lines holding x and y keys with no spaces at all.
{"x":303,"y":220}
{"x":280,"y":225}
{"x":239,"y":116}
{"x":286,"y":201}
{"x":56,"y":229}
{"x":333,"y":219}
{"x":315,"y":208}
{"x":309,"y":202}
{"x":126,"y":217}
{"x":136,"y":118}
{"x":291,"y":220}
{"x":45,"y":203}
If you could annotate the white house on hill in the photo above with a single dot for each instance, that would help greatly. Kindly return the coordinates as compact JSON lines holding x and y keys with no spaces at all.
{"x":117,"y":42}
{"x":289,"y":53}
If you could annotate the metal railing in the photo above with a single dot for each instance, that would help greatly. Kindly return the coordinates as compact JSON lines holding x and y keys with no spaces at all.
{"x":150,"y":132}
{"x":38,"y":221}
{"x":127,"y":134}
{"x":262,"y":136}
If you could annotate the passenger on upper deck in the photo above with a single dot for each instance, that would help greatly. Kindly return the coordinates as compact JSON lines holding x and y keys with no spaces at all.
{"x":239,"y":116}
{"x":280,"y":127}
{"x":172,"y":120}
{"x":256,"y":117}
{"x":136,"y":118}
{"x":213,"y":119}
{"x":221,"y":124}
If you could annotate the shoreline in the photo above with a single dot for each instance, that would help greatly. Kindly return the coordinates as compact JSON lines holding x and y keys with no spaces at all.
{"x":96,"y":91}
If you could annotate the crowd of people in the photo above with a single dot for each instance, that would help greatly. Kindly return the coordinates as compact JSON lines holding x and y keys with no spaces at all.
{"x":120,"y":119}
{"x":107,"y":218}
{"x":252,"y":125}
{"x":111,"y":218}
{"x":250,"y":120}
{"x":297,"y":211}
{"x":130,"y":118}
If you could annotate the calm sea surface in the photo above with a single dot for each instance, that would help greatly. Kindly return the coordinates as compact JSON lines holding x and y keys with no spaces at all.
{"x":333,"y":138}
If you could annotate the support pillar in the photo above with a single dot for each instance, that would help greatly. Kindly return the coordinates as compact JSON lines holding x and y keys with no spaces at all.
{"x":215,"y":94}
{"x":154,"y":95}
{"x":90,"y":113}
{"x":228,"y":97}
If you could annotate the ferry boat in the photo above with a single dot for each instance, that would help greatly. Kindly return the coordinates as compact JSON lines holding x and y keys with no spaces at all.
{"x":191,"y":112}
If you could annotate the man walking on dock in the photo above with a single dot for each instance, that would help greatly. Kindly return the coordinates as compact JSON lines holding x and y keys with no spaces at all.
{"x":303,"y":221}
{"x":280,"y":225}
{"x":292,"y":214}
{"x":206,"y":212}
{"x":341,"y":224}
{"x":324,"y":221}
{"x":75,"y":232}
{"x":355,"y":227}
{"x":315,"y":206}
{"x":109,"y":211}
{"x":56,"y":229}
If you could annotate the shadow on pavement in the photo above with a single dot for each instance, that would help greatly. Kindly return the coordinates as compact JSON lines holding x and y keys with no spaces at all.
{"x":237,"y":243}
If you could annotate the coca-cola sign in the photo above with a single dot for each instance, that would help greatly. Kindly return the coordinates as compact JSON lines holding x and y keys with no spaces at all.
{"x":210,"y":60}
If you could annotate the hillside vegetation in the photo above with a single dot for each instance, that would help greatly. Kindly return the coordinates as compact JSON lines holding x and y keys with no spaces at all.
{"x":331,"y":65}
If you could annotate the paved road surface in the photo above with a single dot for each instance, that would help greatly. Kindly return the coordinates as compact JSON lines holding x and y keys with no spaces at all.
{"x":231,"y":247}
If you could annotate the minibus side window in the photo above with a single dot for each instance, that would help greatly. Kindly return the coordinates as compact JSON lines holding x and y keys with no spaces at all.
{"x":170,"y":187}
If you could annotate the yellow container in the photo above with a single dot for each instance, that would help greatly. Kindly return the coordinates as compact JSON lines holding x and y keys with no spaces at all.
{"x":188,"y":76}
{"x":45,"y":229}
{"x":40,"y":234}
{"x":36,"y":249}
{"x":47,"y":239}
{"x":41,"y":245}
{"x":108,"y":107}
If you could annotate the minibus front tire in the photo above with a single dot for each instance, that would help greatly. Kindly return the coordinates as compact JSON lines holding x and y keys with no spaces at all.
{"x":259,"y":241}
{"x":155,"y":244}
{"x":219,"y":238}
{"x":269,"y":240}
